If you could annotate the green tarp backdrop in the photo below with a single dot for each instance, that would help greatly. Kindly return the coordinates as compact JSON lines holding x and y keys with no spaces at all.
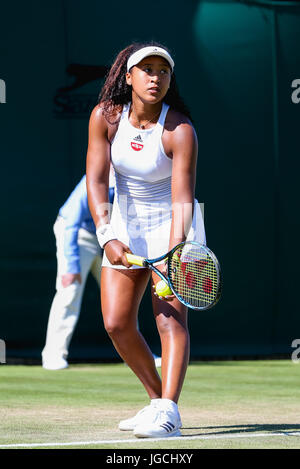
{"x":235,"y":65}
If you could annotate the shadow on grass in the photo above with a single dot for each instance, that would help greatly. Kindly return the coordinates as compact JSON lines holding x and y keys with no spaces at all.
{"x":254,"y":428}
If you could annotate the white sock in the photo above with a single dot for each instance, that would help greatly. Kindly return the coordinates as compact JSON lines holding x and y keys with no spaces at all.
{"x":167,"y":404}
{"x":155,"y":401}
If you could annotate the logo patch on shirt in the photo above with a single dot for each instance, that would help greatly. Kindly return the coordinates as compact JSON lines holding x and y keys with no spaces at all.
{"x":136,"y":146}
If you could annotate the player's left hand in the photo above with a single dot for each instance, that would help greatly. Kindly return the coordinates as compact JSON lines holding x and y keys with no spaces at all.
{"x":156,"y":279}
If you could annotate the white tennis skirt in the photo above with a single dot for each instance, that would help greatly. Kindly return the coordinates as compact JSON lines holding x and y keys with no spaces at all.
{"x":145,"y":227}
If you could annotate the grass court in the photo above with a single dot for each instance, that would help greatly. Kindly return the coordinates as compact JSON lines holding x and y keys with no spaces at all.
{"x":224,"y":405}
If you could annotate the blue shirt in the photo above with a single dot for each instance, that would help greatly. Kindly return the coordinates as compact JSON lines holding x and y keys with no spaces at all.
{"x":76,"y":214}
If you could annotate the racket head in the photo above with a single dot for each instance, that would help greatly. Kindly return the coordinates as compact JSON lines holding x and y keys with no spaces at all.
{"x":194,"y":275}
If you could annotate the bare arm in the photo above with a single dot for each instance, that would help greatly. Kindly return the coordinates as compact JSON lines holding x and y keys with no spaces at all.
{"x":97,"y":178}
{"x":185,"y":149}
{"x":97,"y":168}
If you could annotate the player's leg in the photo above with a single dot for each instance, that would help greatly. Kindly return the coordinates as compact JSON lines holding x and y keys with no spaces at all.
{"x":121,"y":294}
{"x":171,"y":320}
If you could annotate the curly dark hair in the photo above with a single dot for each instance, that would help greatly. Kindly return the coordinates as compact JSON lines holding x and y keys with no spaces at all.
{"x":115,"y":92}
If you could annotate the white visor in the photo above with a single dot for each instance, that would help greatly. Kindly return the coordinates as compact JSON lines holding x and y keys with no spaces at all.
{"x":139,"y":55}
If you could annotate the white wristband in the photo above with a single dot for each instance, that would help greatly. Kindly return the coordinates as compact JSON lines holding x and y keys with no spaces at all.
{"x":104,"y":234}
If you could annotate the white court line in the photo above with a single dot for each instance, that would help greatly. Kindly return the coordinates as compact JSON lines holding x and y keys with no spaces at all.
{"x":146,"y":440}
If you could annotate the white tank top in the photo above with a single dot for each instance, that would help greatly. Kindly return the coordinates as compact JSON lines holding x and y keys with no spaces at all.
{"x":142,"y":209}
{"x":142,"y":168}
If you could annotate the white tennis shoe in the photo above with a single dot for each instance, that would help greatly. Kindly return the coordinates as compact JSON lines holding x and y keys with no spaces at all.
{"x":166,"y":424}
{"x":147,"y":414}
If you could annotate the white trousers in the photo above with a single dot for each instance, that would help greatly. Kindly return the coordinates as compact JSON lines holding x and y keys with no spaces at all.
{"x":67,"y":301}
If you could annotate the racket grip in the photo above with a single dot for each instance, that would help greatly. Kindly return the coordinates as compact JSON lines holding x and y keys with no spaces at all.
{"x":135,"y":260}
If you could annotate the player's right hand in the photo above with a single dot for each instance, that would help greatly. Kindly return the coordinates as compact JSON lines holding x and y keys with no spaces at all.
{"x":115,"y":251}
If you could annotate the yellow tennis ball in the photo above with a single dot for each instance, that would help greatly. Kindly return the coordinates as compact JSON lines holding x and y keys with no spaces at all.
{"x":163,"y":289}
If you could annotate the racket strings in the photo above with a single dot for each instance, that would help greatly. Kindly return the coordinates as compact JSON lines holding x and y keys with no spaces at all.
{"x":194,"y":275}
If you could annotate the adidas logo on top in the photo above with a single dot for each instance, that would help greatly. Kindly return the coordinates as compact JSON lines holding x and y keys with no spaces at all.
{"x":138,"y":138}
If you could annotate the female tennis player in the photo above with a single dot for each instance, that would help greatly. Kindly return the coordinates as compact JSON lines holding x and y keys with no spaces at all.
{"x":143,"y":127}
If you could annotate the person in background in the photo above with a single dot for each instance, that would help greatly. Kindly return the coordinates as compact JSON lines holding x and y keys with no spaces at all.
{"x":78,"y":253}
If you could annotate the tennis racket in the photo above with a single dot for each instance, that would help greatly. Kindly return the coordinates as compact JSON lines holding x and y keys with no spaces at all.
{"x":193,"y":273}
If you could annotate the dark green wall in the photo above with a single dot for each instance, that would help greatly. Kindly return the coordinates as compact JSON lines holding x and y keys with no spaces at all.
{"x":235,"y":62}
